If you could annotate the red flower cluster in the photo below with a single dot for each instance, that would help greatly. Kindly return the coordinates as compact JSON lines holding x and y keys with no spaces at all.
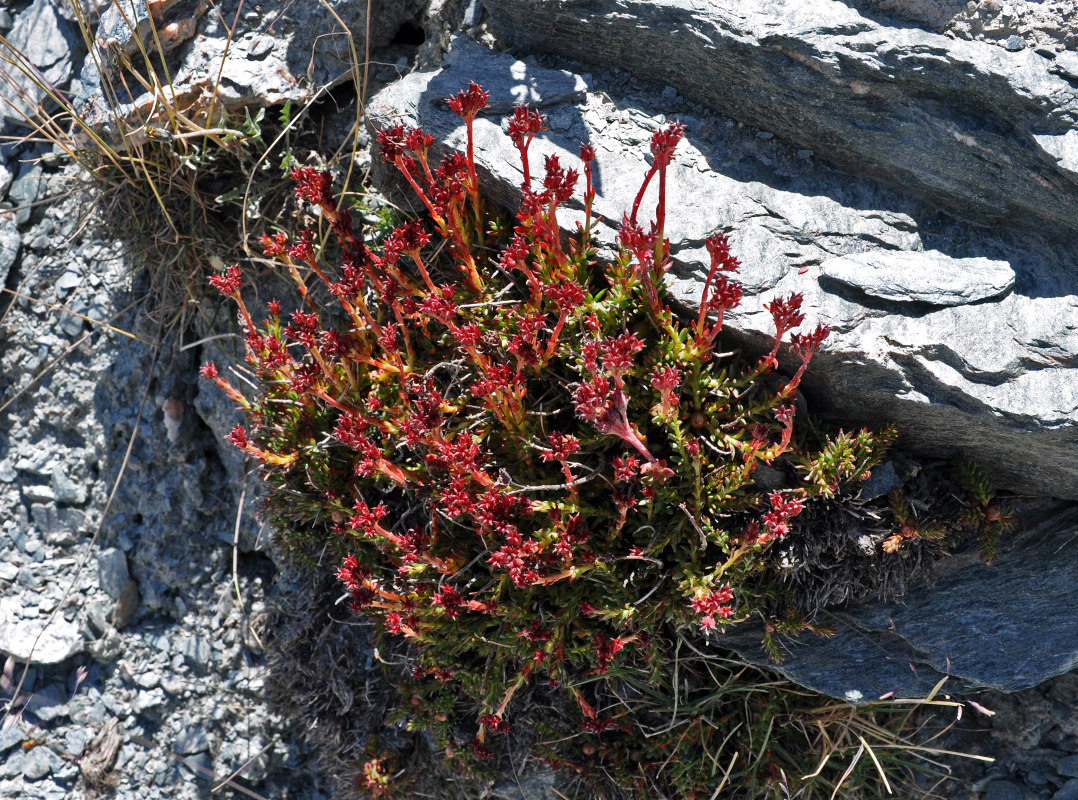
{"x":709,"y":604}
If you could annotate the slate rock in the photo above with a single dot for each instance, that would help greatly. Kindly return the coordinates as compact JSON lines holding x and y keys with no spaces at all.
{"x":923,"y":112}
{"x":1068,"y":766}
{"x":59,"y":640}
{"x":112,"y":573}
{"x":1006,"y":626}
{"x":9,"y":737}
{"x":996,"y":379}
{"x":1069,"y":791}
{"x":929,"y":277}
{"x":1003,"y":790}
{"x":40,"y":761}
{"x":9,"y":243}
{"x":50,"y":43}
{"x":197,"y":651}
{"x":191,"y":740}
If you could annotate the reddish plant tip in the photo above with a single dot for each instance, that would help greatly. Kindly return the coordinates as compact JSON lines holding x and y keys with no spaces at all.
{"x":274,"y":245}
{"x":587,"y":153}
{"x":209,"y":370}
{"x":238,"y":437}
{"x":663,"y":142}
{"x":494,"y":723}
{"x":807,"y":344}
{"x":229,"y":282}
{"x":718,"y":247}
{"x":313,"y":185}
{"x":786,"y":313}
{"x":469,"y":102}
{"x":524,"y":124}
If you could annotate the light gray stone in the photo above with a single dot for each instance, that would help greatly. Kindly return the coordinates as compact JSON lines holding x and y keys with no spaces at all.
{"x":55,"y":642}
{"x":192,"y":740}
{"x":112,"y":573}
{"x":40,"y":761}
{"x":929,"y":277}
{"x":950,"y":120}
{"x":49,"y":43}
{"x":65,"y":489}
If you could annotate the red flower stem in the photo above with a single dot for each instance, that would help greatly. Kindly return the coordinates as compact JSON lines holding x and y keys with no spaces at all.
{"x":436,"y":218}
{"x":553,"y":343}
{"x":640,"y":194}
{"x":422,"y":269}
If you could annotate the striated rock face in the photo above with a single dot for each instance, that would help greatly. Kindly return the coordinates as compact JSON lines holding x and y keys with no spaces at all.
{"x":964,"y":336}
{"x":981,"y":131}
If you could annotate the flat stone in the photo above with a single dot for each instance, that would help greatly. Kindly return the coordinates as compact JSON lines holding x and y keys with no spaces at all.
{"x":9,"y":737}
{"x":58,"y":642}
{"x":50,"y":43}
{"x":1006,"y":626}
{"x":67,"y":282}
{"x":112,"y":574}
{"x":40,"y":494}
{"x":946,"y":119}
{"x":40,"y":761}
{"x":1068,"y":766}
{"x":192,"y":740}
{"x":930,"y":277}
{"x":197,"y":651}
{"x":65,"y":489}
{"x":1069,"y":791}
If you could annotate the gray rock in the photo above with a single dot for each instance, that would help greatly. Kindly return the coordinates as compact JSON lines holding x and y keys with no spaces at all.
{"x":40,"y":494}
{"x":112,"y":572}
{"x":1003,"y":790}
{"x":968,"y":627}
{"x":197,"y":651}
{"x":926,"y":113}
{"x":148,"y":701}
{"x":995,"y":379}
{"x":67,"y":282}
{"x":305,"y":48}
{"x":930,"y":277}
{"x":55,"y":642}
{"x":883,"y":480}
{"x":192,"y":740}
{"x":1069,"y":791}
{"x":9,"y":737}
{"x":13,"y":764}
{"x":40,"y":761}
{"x":1068,"y":766}
{"x":48,"y":42}
{"x":65,"y":489}
{"x":9,"y":243}
{"x":26,"y":190}
{"x":1014,"y":44}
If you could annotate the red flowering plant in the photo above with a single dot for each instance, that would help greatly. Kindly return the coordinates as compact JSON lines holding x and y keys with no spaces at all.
{"x":522,"y":460}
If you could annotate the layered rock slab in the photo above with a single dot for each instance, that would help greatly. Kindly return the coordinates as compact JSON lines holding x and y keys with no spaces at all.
{"x":984,"y":132}
{"x":973,"y":360}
